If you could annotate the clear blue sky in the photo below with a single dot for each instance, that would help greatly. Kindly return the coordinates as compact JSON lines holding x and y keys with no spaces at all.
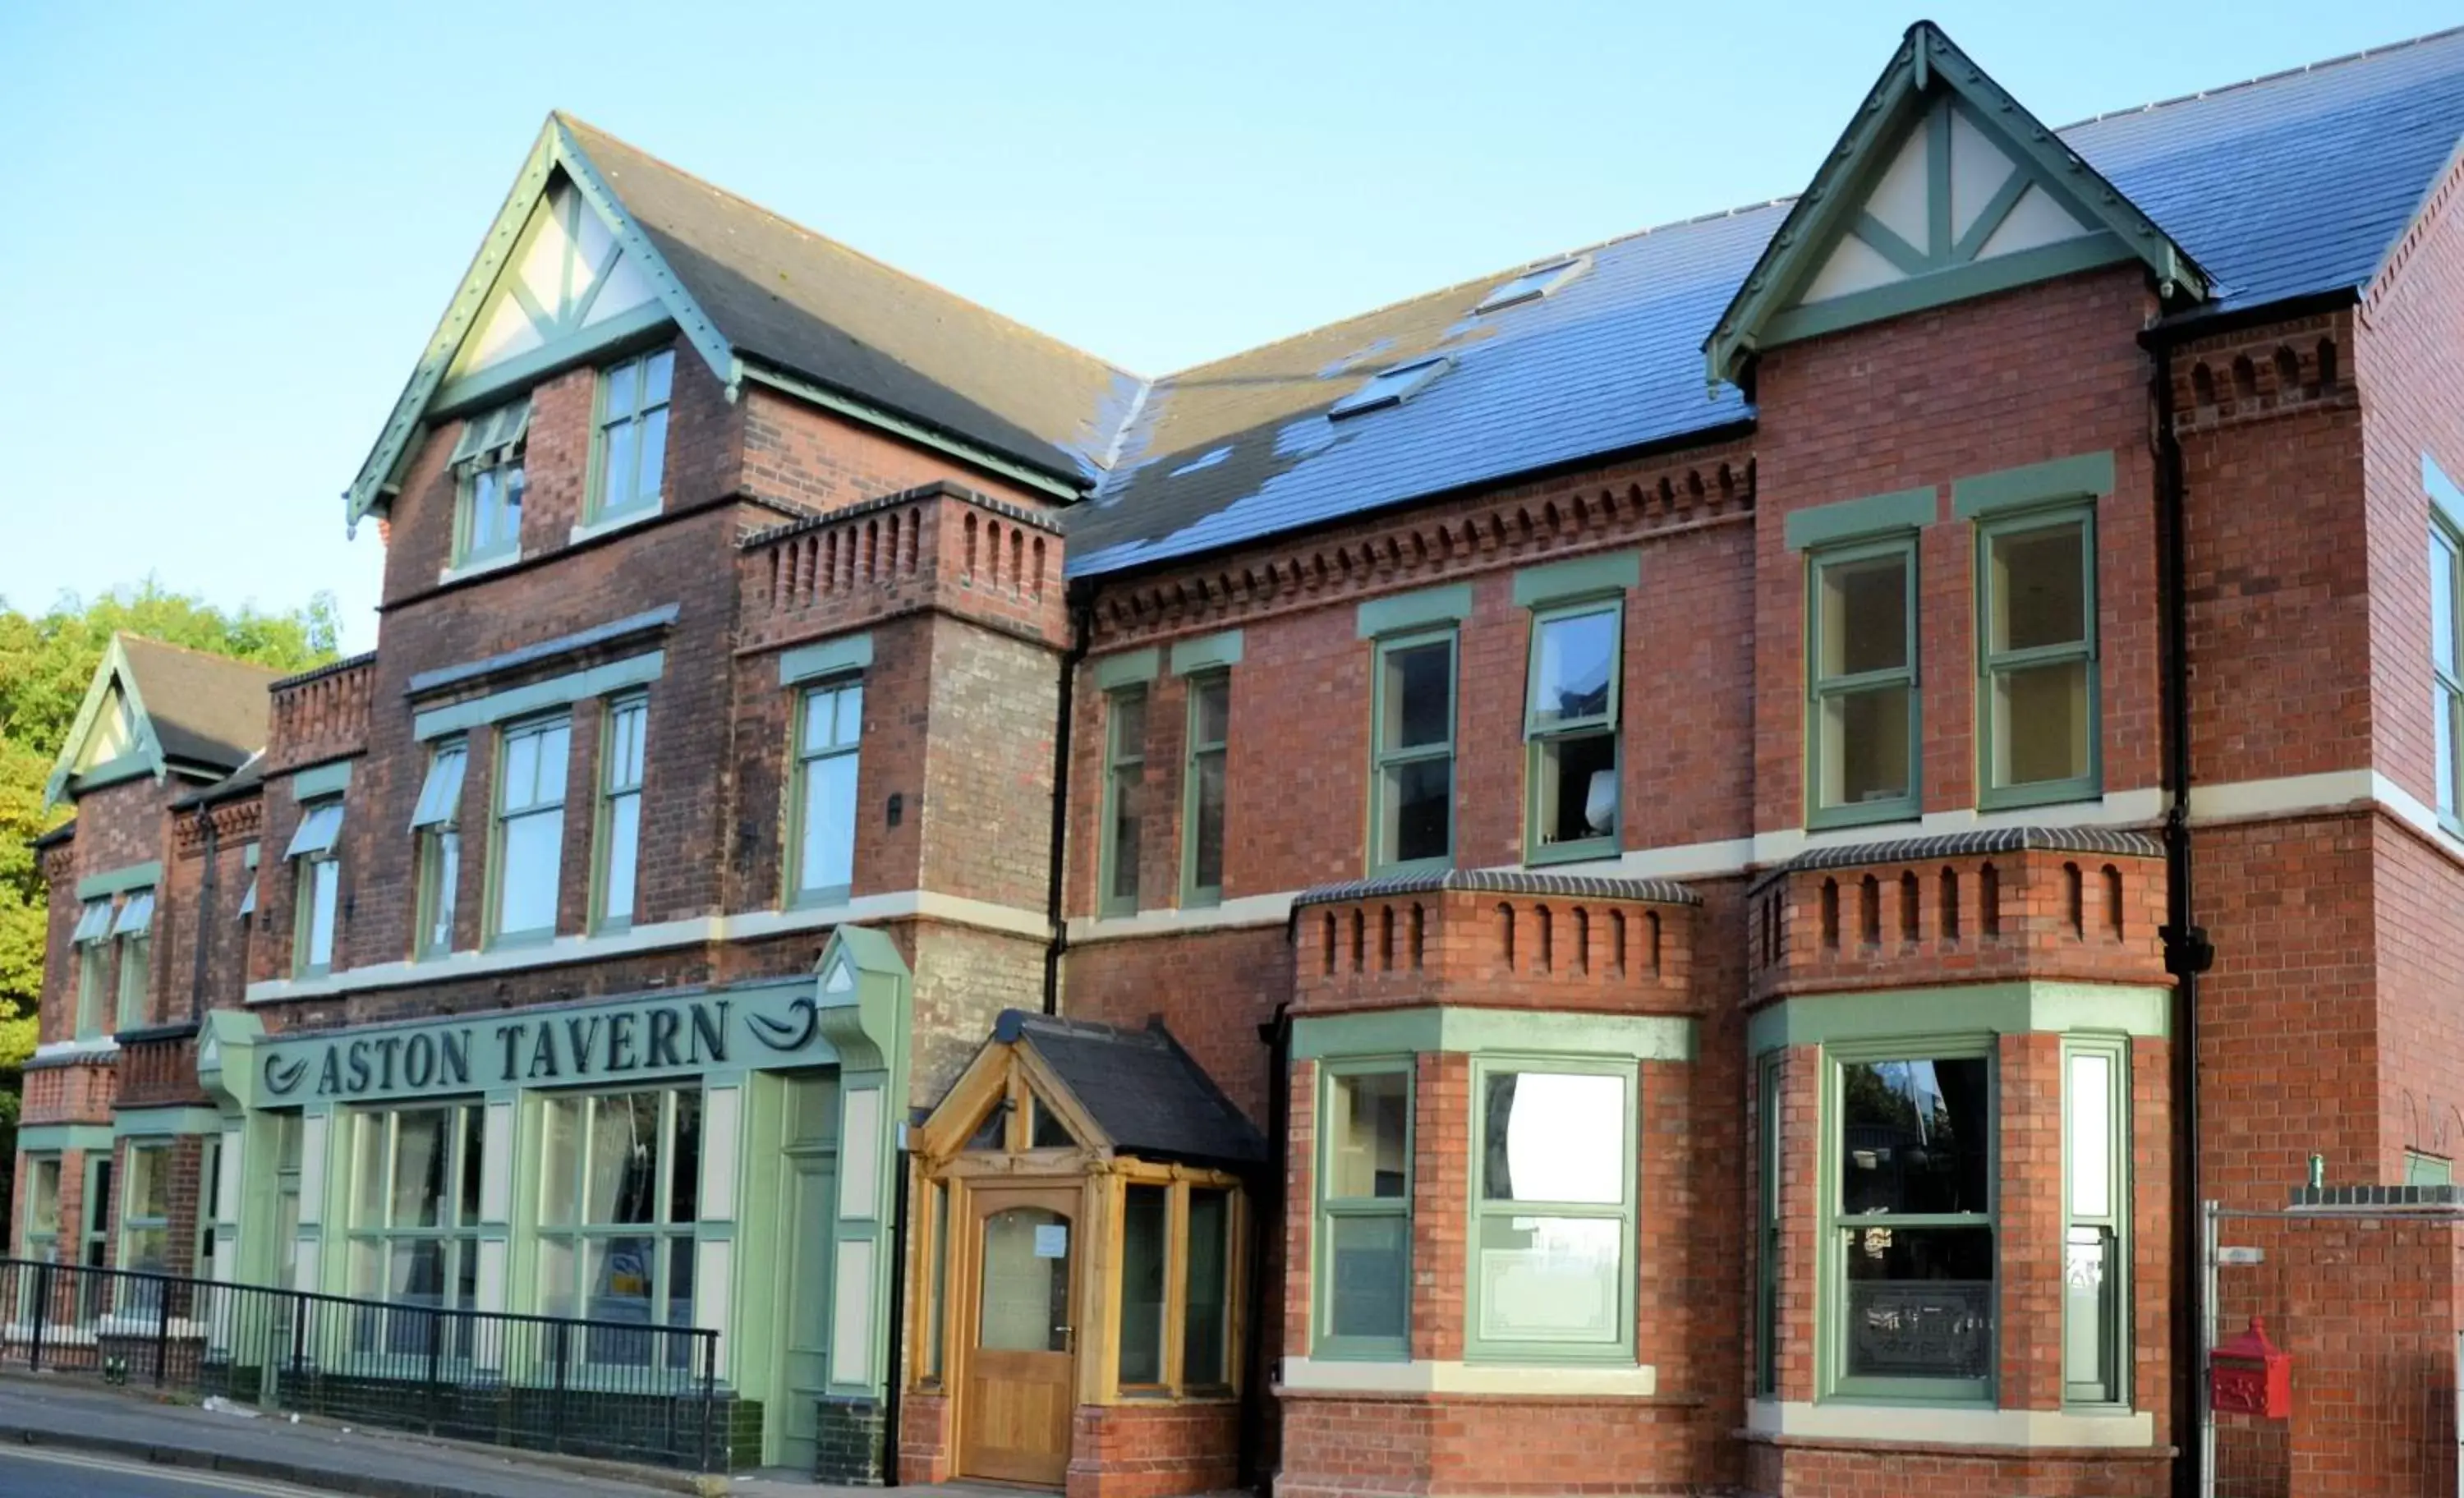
{"x":226,"y":231}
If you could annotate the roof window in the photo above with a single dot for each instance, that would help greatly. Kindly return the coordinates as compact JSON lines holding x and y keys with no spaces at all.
{"x":1535,"y":283}
{"x":1392,"y":386}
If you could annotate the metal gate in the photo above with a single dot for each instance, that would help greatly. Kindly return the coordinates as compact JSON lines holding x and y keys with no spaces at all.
{"x":2362,"y":1298}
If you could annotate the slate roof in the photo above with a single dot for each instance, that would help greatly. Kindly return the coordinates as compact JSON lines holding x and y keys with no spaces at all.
{"x":2286,"y":186}
{"x":2283,"y":187}
{"x":208,"y":711}
{"x":811,"y":306}
{"x":1141,"y":1087}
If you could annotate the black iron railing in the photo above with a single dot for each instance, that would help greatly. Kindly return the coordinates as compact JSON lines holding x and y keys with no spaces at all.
{"x":612,"y":1389}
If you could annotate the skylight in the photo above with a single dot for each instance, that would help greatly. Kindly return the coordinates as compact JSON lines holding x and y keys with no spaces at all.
{"x":1535,"y":283}
{"x":1392,"y":386}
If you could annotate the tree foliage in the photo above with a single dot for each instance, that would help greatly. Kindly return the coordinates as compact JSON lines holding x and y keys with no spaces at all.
{"x":46,"y":663}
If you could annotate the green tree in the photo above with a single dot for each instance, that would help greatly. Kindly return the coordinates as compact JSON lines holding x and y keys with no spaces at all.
{"x":46,"y":663}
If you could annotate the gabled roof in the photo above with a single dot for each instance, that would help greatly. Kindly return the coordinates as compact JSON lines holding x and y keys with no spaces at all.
{"x":188,"y":711}
{"x":757,"y":296}
{"x":812,"y":307}
{"x":1840,"y":259}
{"x":1139,"y":1087}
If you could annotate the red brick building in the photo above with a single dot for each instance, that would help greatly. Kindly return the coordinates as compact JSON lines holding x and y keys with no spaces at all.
{"x":1669,"y":871}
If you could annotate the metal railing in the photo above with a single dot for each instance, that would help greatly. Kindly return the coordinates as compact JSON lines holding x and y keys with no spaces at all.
{"x":612,"y":1389}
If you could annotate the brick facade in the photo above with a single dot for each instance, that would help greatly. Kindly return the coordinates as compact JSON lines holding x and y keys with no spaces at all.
{"x":2323,"y":872}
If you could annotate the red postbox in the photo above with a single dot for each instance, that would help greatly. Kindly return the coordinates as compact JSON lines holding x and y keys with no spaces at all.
{"x":2249,"y":1375}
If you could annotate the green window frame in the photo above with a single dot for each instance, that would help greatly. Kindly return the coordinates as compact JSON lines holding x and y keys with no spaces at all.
{"x":490,"y":482}
{"x":1568,"y":745}
{"x":2421,"y":1169}
{"x":132,"y":931}
{"x":93,"y":943}
{"x":821,"y":808}
{"x":619,"y":1190}
{"x":526,"y":835}
{"x":1851,"y":682}
{"x":2063,"y":761}
{"x":630,"y":442}
{"x":316,"y":907}
{"x":1770,"y":1220}
{"x":2447,"y":663}
{"x":145,"y":1229}
{"x":1125,"y":794}
{"x":436,"y":821}
{"x":1204,"y":786}
{"x":412,"y":1233}
{"x":1857,"y":1238}
{"x":38,"y":1236}
{"x":2095,"y":1222}
{"x":289,"y":1157}
{"x":1377,"y":1223}
{"x":1581,"y":1208}
{"x":1411,"y":766}
{"x":624,"y":740}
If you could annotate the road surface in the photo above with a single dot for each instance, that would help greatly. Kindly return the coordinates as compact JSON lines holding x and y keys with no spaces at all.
{"x":26,"y":1472}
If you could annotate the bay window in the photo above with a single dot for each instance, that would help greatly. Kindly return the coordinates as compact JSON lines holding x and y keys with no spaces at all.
{"x":1569,"y":724}
{"x":144,"y":1227}
{"x":2095,"y":1222}
{"x":1553,"y":1210}
{"x":620,"y":812}
{"x":1364,"y":1217}
{"x":1862,"y":683}
{"x":620,"y":1188}
{"x":829,"y":730}
{"x":1412,"y":778}
{"x":39,"y":1240}
{"x":2037,"y":614}
{"x":437,"y":823}
{"x":414,"y":1222}
{"x":530,"y":828}
{"x":1910,"y":1238}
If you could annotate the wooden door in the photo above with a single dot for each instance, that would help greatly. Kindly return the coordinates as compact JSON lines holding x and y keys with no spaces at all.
{"x":1021,"y":1384}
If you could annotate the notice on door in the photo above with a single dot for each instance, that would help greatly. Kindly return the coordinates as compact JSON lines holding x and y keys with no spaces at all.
{"x":1052,"y":1239}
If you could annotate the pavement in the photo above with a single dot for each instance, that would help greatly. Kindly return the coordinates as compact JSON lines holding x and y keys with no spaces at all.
{"x":62,"y":1439}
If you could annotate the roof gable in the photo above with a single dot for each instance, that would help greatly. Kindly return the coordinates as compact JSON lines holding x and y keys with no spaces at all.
{"x":1109,"y":1087}
{"x":1941,"y":187}
{"x":488,"y":348}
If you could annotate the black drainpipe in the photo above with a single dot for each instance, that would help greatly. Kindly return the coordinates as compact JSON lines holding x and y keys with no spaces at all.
{"x":2188,"y":952}
{"x":1082,"y":619}
{"x":206,"y":887}
{"x":891,"y":1390}
{"x":1266,"y":1224}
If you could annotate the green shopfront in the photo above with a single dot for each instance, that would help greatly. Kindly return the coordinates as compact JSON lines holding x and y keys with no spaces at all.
{"x":719,"y":1158}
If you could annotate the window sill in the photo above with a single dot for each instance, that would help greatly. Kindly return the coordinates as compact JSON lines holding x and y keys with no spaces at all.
{"x":1590,"y":850}
{"x":2053,"y":794}
{"x":477,"y":566}
{"x":1947,"y":1424}
{"x":1345,"y":1376}
{"x":1867,"y":814}
{"x":1417,"y":866}
{"x":608,"y":525}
